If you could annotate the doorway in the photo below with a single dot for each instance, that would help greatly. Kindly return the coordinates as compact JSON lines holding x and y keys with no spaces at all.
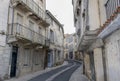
{"x":70,"y":55}
{"x":50,"y":59}
{"x":92,"y":66}
{"x":14,"y":61}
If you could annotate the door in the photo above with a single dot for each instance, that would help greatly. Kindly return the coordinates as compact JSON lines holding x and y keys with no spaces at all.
{"x":50,"y":59}
{"x":71,"y":55}
{"x":14,"y":62}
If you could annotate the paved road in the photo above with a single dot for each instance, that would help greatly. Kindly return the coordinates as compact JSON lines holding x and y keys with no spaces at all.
{"x":64,"y":76}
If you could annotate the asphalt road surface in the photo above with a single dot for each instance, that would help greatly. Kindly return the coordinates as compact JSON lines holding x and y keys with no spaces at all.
{"x":64,"y":76}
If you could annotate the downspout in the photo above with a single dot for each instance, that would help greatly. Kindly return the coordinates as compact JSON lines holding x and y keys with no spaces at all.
{"x":10,"y":6}
{"x":99,"y":12}
{"x":45,"y":51}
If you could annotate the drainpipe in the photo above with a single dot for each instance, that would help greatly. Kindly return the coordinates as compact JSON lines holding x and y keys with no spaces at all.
{"x":10,"y":3}
{"x":99,"y":12}
{"x":10,"y":6}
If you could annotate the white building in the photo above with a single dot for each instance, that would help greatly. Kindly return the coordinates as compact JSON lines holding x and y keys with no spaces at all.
{"x":23,"y":37}
{"x":56,"y":36}
{"x":69,"y":46}
{"x":98,"y":28}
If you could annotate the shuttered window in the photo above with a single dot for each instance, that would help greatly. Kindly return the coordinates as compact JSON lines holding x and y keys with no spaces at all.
{"x":27,"y":55}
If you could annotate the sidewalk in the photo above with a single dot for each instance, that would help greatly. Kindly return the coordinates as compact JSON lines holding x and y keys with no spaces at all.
{"x":78,"y":76}
{"x":32,"y":75}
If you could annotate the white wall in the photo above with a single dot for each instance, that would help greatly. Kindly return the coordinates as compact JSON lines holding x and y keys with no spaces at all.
{"x":3,"y":20}
{"x":112,"y":51}
{"x":94,"y":21}
{"x":4,"y":48}
{"x":98,"y":64}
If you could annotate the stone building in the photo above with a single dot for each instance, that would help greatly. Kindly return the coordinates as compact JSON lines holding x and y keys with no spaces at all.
{"x":56,"y":36}
{"x":69,"y":45}
{"x":97,"y":27}
{"x":23,"y":37}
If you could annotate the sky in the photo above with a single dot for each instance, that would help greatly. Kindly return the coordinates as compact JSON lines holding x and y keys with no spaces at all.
{"x":63,"y":11}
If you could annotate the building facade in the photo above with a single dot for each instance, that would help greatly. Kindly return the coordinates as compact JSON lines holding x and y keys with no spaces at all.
{"x":98,"y":33}
{"x":69,"y":45}
{"x":56,"y":36}
{"x":23,"y":37}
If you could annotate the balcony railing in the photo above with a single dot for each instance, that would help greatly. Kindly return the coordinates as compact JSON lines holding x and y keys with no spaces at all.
{"x":26,"y":33}
{"x":33,"y":6}
{"x":111,"y":6}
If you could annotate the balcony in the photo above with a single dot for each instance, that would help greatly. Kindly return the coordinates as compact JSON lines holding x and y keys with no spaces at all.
{"x":111,"y":6}
{"x":35,"y":11}
{"x":18,"y":32}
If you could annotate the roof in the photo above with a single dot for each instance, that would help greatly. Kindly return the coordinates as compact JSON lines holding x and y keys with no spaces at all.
{"x":53,"y":17}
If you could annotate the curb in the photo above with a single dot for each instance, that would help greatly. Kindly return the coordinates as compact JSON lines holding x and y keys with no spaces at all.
{"x":33,"y":75}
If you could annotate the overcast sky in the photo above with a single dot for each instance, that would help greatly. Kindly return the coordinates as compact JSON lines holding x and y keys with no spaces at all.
{"x":63,"y":11}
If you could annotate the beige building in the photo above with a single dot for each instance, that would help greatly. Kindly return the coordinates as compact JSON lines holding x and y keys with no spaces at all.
{"x":97,"y":27}
{"x":69,"y":45}
{"x":24,"y":37}
{"x":56,"y":36}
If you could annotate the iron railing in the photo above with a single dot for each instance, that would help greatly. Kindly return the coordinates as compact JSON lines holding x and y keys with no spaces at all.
{"x":111,"y":6}
{"x":27,"y":33}
{"x":33,"y":6}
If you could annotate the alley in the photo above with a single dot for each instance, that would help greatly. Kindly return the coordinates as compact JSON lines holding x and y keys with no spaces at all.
{"x":60,"y":74}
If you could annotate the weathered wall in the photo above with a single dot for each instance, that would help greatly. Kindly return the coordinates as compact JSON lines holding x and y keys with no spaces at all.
{"x":87,"y":65}
{"x":112,"y":51}
{"x":4,"y":48}
{"x":102,"y":11}
{"x":4,"y":61}
{"x":29,"y":59}
{"x":57,"y":43}
{"x":98,"y":64}
{"x":93,"y":12}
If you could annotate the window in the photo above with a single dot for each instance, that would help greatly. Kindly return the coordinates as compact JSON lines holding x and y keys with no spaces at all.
{"x":71,"y":47}
{"x":41,"y":1}
{"x":52,"y":22}
{"x":59,"y":55}
{"x":59,"y":28}
{"x":26,"y":57}
{"x":51,"y":36}
{"x":37,"y":58}
{"x":79,"y":2}
{"x":20,"y":21}
{"x":66,"y":46}
{"x":78,"y":12}
{"x":39,"y":30}
{"x":119,"y":45}
{"x":70,"y":39}
{"x":30,"y":30}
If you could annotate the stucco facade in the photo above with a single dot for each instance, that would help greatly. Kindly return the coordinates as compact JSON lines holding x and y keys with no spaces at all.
{"x":56,"y":36}
{"x":23,"y":37}
{"x":101,"y":22}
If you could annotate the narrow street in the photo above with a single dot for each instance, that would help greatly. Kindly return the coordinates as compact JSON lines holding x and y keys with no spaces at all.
{"x":59,"y":40}
{"x":60,"y":74}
